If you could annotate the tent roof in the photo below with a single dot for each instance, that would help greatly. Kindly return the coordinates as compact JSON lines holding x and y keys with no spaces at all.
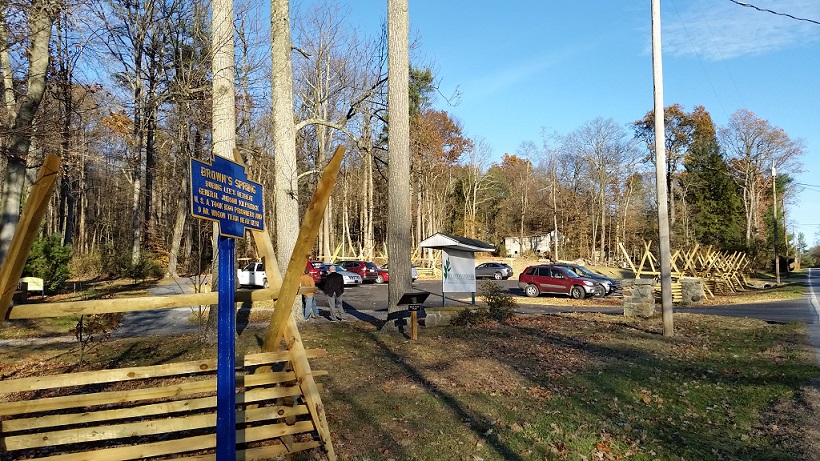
{"x":439,"y":241}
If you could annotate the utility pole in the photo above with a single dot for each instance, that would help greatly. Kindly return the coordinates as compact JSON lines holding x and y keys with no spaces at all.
{"x":774,"y":220}
{"x":660,"y":173}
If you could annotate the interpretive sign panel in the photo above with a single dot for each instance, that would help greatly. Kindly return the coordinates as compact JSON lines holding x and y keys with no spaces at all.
{"x":222,"y":192}
{"x":458,"y":271}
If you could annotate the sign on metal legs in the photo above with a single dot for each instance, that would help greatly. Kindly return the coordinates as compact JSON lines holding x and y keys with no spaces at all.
{"x":222,"y":192}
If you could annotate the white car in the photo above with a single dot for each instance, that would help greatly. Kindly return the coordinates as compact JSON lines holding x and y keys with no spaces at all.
{"x":252,"y":275}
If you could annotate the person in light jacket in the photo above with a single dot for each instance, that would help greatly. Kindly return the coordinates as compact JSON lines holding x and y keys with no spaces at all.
{"x":308,"y":300}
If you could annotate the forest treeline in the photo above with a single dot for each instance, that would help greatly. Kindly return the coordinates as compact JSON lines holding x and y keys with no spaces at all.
{"x":121,"y":91}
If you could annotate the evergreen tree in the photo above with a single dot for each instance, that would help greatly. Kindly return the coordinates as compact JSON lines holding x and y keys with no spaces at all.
{"x":715,"y":207}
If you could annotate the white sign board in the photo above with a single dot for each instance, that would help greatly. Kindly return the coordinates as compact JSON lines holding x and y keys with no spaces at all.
{"x":458,"y":271}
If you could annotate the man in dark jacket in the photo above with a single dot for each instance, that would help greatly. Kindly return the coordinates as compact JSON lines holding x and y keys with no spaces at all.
{"x":334,"y":288}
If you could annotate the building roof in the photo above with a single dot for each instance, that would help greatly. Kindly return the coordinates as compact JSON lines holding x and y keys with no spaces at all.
{"x":439,"y":241}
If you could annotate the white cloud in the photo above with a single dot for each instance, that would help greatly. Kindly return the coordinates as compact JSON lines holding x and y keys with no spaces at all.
{"x":722,"y":30}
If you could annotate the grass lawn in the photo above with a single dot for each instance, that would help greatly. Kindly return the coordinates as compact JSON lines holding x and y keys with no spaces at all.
{"x":574,"y":386}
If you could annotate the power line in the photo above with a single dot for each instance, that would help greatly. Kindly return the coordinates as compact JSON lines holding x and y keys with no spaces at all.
{"x":765,"y":10}
{"x":812,"y":187}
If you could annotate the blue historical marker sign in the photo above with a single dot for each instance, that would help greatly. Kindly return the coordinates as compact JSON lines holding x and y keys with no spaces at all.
{"x":222,"y":192}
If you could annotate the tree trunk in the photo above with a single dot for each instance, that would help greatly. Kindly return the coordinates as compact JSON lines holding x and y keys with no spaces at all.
{"x":398,"y":174}
{"x":40,"y":24}
{"x":179,"y":227}
{"x":224,"y":122}
{"x":603,"y":224}
{"x":284,"y":138}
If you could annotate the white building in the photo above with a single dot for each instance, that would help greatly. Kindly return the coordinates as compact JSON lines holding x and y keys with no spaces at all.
{"x":539,"y":244}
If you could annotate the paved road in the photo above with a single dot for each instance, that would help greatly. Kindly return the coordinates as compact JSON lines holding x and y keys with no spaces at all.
{"x":160,"y":321}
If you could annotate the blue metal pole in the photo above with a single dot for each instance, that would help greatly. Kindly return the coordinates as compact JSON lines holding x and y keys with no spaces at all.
{"x":226,"y":358}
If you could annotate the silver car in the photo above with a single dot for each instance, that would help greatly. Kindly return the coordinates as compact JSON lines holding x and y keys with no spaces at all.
{"x":498,"y":271}
{"x":350,"y":278}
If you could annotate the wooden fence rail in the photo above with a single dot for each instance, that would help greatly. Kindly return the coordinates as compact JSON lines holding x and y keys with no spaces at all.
{"x":154,"y":411}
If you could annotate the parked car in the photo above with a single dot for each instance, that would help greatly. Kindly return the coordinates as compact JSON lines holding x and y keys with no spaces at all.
{"x":350,"y":278}
{"x":382,"y":275}
{"x":549,"y":278}
{"x":610,"y":285}
{"x":252,"y":275}
{"x":366,"y":269}
{"x":498,"y":271}
{"x":414,"y":274}
{"x":317,"y":270}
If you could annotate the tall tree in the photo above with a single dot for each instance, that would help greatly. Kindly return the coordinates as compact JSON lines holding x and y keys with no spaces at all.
{"x":476,"y":184}
{"x":603,"y":145}
{"x":398,"y":208}
{"x":17,"y":121}
{"x":753,"y":145}
{"x":710,"y":193}
{"x":436,"y":144}
{"x":679,"y":128}
{"x":284,"y":141}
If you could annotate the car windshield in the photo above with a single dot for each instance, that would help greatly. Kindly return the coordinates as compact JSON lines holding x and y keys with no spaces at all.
{"x":583,"y":271}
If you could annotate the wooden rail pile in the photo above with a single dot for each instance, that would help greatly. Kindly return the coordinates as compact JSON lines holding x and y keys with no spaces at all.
{"x":721,"y":272}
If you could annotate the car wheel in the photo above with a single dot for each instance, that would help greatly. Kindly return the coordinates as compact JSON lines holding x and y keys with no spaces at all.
{"x":498,"y":276}
{"x":599,"y":291}
{"x":576,"y":292}
{"x":265,"y":283}
{"x":379,"y":279}
{"x":531,"y":291}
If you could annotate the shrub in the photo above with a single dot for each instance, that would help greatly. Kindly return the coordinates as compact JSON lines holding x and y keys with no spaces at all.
{"x":146,"y":267}
{"x":86,"y":266}
{"x":500,"y":306}
{"x":48,"y":260}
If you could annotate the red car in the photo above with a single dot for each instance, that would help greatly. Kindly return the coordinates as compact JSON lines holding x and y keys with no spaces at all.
{"x":317,"y":270}
{"x":367,"y":270}
{"x":535,"y":280}
{"x":383,"y":276}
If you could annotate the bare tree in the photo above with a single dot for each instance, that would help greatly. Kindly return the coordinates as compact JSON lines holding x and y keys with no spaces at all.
{"x":753,"y":146}
{"x":603,"y":145}
{"x":476,"y":183}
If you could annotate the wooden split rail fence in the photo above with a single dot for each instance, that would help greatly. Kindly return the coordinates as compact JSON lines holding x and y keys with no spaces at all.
{"x":156,"y":412}
{"x":167,"y":411}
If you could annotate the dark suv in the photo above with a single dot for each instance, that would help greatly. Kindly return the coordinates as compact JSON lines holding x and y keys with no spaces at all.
{"x":549,"y":278}
{"x":368,"y":270}
{"x":611,"y":286}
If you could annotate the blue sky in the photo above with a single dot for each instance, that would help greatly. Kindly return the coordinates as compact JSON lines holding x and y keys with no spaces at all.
{"x":523,"y":66}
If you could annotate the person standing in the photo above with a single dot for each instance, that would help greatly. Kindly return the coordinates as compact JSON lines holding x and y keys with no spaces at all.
{"x":308,"y":299}
{"x":334,"y":288}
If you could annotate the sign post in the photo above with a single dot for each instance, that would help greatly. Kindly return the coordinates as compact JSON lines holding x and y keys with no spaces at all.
{"x":413,"y":300}
{"x":222,"y":192}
